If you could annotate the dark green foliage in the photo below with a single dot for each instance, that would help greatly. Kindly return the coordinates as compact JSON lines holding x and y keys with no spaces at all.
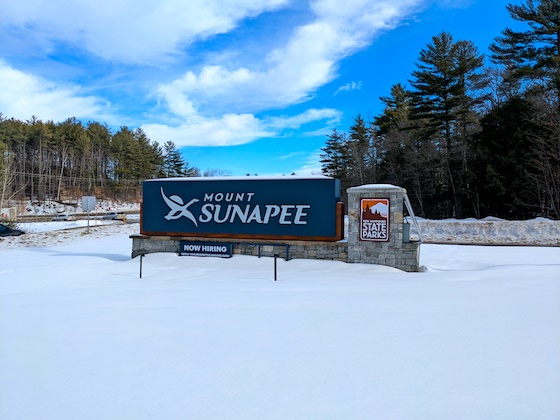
{"x":444,"y":107}
{"x":396,"y":114}
{"x":467,"y":141}
{"x":503,"y":159}
{"x":362,"y":152}
{"x":533,"y":54}
{"x":404,"y":158}
{"x":66,"y":160}
{"x":335,"y":159}
{"x":350,"y":157}
{"x":173,"y":163}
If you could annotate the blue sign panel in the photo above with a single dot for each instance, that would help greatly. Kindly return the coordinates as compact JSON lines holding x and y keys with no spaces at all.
{"x":290,"y":207}
{"x":205,"y":249}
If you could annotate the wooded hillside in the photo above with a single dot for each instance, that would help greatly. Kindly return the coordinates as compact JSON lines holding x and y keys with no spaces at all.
{"x":64,"y":161}
{"x":468,"y":140}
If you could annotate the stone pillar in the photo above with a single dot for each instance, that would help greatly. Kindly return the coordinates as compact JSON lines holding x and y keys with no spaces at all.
{"x":375,"y":228}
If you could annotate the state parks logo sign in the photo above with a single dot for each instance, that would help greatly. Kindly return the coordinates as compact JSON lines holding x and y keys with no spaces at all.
{"x":374,"y":219}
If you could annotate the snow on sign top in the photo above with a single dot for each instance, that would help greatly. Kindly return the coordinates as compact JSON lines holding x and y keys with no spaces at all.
{"x":241,"y":178}
{"x":378,"y":186}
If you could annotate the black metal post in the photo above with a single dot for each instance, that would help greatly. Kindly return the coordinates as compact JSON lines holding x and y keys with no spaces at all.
{"x":141,"y":255}
{"x":275,"y":267}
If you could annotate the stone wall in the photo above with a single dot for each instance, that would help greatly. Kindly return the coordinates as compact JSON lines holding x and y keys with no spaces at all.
{"x":144,"y":244}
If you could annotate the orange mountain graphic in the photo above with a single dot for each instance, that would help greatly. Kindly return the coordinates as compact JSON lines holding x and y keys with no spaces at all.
{"x":375,"y":209}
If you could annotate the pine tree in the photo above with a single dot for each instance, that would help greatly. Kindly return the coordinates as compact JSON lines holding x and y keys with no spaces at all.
{"x":403,"y":158}
{"x":173,"y":162}
{"x":533,"y":54}
{"x":335,"y":161}
{"x":396,"y":111}
{"x":444,"y":103}
{"x":174,"y":165}
{"x":152,"y":158}
{"x":362,"y":152}
{"x":441,"y":84}
{"x":504,"y":159}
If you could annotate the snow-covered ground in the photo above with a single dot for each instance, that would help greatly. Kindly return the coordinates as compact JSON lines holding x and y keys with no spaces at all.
{"x":43,"y":233}
{"x":474,"y":336}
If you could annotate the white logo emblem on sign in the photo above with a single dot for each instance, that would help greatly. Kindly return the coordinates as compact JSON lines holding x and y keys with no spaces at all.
{"x":178,"y":208}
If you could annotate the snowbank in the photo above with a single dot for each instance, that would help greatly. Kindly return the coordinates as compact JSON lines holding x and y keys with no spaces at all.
{"x":491,"y":232}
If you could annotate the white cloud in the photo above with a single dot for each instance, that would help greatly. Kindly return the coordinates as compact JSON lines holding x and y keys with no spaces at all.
{"x":291,"y":73}
{"x":291,"y":155}
{"x":311,"y":115}
{"x":227,"y":130}
{"x":215,"y":105}
{"x":232,"y":129}
{"x":322,"y":132}
{"x":348,"y":87}
{"x":134,"y":31}
{"x":23,"y":95}
{"x":288,"y":75}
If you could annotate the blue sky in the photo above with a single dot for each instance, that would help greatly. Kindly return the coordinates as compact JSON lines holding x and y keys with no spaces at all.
{"x":244,"y":86}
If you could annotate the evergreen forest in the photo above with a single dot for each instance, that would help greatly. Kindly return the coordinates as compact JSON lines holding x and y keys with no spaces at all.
{"x":46,"y":161}
{"x":466,"y":138}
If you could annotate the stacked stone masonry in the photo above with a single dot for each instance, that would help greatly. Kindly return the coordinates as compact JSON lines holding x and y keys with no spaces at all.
{"x":143,"y":244}
{"x":394,"y":252}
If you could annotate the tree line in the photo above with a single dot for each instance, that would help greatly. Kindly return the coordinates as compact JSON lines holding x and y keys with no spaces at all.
{"x":464,"y":138}
{"x":44,"y":161}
